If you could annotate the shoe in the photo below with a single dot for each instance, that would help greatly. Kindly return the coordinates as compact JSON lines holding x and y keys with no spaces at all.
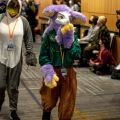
{"x":46,"y":115}
{"x":14,"y":116}
{"x":1,"y":102}
{"x":92,"y":69}
{"x":100,"y":73}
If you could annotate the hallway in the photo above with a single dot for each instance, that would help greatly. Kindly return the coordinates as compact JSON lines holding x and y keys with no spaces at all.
{"x":98,"y":97}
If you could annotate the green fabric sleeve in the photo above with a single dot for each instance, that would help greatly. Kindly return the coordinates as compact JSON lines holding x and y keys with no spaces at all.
{"x":44,"y":52}
{"x":75,"y":50}
{"x":73,"y":53}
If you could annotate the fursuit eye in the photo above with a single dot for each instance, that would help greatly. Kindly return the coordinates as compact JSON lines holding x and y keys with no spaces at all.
{"x":61,"y":17}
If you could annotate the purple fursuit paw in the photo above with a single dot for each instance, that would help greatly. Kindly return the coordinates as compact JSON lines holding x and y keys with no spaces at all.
{"x":47,"y":72}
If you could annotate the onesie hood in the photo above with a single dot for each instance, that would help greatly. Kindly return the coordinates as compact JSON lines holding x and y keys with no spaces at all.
{"x":19,"y":5}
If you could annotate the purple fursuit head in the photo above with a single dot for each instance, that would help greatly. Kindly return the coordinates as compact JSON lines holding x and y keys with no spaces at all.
{"x":51,"y":13}
{"x":73,"y":16}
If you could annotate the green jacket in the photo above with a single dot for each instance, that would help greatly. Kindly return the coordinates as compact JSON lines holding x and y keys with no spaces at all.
{"x":52,"y":53}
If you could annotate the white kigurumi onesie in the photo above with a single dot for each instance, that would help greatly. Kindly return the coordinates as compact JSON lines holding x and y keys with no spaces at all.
{"x":11,"y":58}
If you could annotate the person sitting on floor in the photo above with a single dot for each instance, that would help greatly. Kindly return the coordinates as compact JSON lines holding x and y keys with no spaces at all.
{"x":94,"y":45}
{"x":104,"y":62}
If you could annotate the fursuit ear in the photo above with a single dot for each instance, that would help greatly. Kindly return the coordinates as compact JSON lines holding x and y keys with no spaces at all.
{"x":78,"y":17}
{"x":52,"y":10}
{"x":49,"y":11}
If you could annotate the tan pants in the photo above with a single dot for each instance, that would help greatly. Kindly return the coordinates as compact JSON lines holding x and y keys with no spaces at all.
{"x":65,"y":91}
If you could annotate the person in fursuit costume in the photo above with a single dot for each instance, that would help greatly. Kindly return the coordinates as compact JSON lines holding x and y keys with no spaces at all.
{"x":14,"y":29}
{"x":58,"y":50}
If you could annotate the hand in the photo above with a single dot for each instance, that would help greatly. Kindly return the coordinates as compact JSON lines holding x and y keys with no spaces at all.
{"x":91,"y":63}
{"x":53,"y":83}
{"x":50,"y":77}
{"x":79,"y":40}
{"x":31,"y":59}
{"x":89,"y":45}
{"x":66,"y":28}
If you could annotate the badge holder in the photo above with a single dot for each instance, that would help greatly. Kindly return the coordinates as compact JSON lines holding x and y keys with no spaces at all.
{"x":64,"y":71}
{"x":11,"y":46}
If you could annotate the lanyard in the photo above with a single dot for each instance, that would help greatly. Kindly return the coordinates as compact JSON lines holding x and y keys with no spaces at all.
{"x":62,"y":54}
{"x":11,"y":34}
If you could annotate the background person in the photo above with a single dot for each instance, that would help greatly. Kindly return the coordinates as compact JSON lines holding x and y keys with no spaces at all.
{"x":93,"y":30}
{"x":102,"y":32}
{"x":75,"y":5}
{"x":118,"y":21}
{"x":31,"y":12}
{"x":92,"y":35}
{"x":104,"y":62}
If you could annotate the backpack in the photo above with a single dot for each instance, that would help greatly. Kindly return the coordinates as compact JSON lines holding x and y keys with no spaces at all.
{"x":116,"y":72}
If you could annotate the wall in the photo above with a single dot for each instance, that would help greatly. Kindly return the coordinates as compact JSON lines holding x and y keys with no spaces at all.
{"x":43,"y":4}
{"x":102,"y":7}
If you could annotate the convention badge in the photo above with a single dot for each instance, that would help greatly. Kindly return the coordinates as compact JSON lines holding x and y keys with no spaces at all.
{"x":63,"y":71}
{"x":11,"y":46}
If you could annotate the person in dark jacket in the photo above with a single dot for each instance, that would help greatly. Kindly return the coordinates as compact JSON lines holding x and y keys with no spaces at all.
{"x":104,"y":62}
{"x":31,"y":12}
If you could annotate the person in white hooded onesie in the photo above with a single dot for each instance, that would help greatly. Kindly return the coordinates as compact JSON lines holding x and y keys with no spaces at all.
{"x":14,"y":29}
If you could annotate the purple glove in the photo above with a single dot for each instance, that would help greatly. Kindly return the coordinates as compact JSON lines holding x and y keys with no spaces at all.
{"x":47,"y":72}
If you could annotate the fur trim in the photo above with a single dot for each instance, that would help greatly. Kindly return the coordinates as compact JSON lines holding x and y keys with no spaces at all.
{"x":47,"y":72}
{"x":67,"y":28}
